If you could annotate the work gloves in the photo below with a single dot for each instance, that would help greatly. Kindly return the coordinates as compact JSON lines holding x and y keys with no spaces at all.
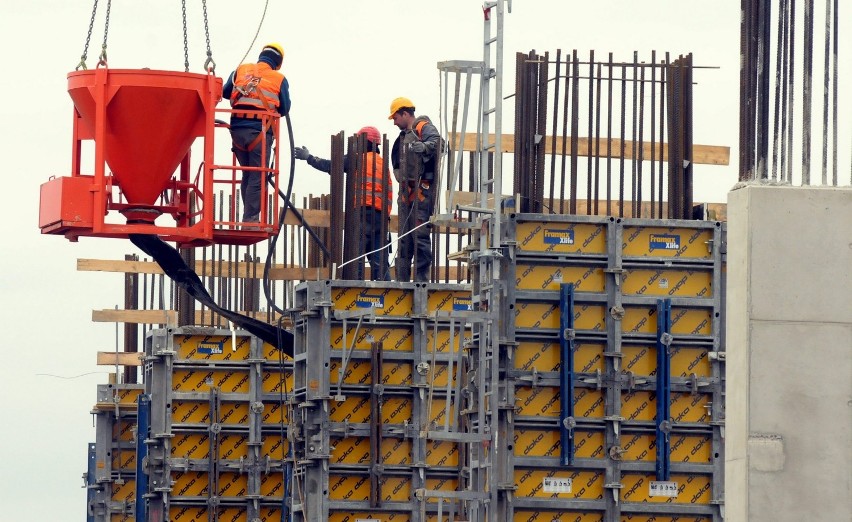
{"x":301,"y":153}
{"x":418,"y":147}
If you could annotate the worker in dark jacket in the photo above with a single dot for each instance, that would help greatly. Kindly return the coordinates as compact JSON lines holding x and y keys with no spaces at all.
{"x":373,"y":200}
{"x":255,"y":88}
{"x":414,"y":158}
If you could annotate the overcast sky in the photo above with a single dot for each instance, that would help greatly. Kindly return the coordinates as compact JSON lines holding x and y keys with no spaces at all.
{"x":345,"y":61}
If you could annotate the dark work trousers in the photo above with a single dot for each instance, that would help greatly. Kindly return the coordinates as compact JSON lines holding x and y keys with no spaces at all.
{"x":372,"y":239}
{"x":251,"y":183}
{"x":416,"y":201}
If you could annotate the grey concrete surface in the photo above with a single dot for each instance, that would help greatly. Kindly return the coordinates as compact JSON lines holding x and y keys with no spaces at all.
{"x":789,"y":355}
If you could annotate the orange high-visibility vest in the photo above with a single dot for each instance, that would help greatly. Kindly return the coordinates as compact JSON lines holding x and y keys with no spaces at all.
{"x":371,"y":192}
{"x":256,"y":86}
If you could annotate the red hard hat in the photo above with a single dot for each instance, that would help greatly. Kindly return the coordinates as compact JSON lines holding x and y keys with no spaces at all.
{"x":372,"y":134}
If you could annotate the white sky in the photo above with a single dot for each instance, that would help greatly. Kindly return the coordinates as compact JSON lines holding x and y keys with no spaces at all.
{"x":345,"y":62}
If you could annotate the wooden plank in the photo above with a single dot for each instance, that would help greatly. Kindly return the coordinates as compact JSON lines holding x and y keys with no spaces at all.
{"x":120,"y":358}
{"x":135,"y":316}
{"x":701,"y":154}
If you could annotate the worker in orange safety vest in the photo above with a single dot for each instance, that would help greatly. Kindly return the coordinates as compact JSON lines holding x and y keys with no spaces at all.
{"x":255,"y":88}
{"x":374,"y":199}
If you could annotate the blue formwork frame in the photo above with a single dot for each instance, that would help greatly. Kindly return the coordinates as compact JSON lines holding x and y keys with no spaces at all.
{"x":143,"y":424}
{"x":566,"y":372}
{"x":664,"y":340}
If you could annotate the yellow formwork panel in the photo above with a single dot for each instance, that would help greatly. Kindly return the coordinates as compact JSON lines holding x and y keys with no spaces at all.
{"x":692,"y":489}
{"x":205,"y":379}
{"x":684,"y":361}
{"x":685,"y":321}
{"x":386,"y":302}
{"x":124,"y":460}
{"x":212,"y":347}
{"x":684,"y":243}
{"x":125,"y":396}
{"x":659,"y":518}
{"x":271,"y":382}
{"x":274,"y":447}
{"x":545,"y":356}
{"x":357,"y":488}
{"x":124,"y":491}
{"x":536,"y":442}
{"x":562,"y":238}
{"x":530,"y":483}
{"x":394,"y":373}
{"x":274,"y":413}
{"x":438,"y":409}
{"x":381,"y":516}
{"x":273,"y":354}
{"x":121,"y":517}
{"x":556,"y":516}
{"x":355,"y":408}
{"x":684,"y":448}
{"x":546,"y":315}
{"x":198,"y":412}
{"x":442,"y":453}
{"x":549,"y":277}
{"x":685,"y":407}
{"x":667,"y":282}
{"x":441,"y":342}
{"x":195,"y":484}
{"x":122,"y":431}
{"x":449,"y":301}
{"x":356,"y":450}
{"x":543,"y":401}
{"x":397,"y":338}
{"x":229,"y":514}
{"x":197,"y":446}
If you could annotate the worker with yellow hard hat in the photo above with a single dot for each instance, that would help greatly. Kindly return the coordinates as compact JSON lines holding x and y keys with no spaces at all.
{"x":414,"y":158}
{"x":255,"y":88}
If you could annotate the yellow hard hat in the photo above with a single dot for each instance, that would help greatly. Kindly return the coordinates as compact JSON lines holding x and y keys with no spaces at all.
{"x":277,"y":46}
{"x":399,"y":103}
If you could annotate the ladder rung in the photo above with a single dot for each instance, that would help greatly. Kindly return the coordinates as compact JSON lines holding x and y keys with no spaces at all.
{"x":489,"y":111}
{"x":491,"y":40}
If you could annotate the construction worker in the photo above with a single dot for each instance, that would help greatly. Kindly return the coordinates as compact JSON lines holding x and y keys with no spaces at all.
{"x":414,"y":158}
{"x":374,"y":200}
{"x":255,"y":88}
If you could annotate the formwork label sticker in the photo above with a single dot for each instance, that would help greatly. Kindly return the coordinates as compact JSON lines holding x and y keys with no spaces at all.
{"x":558,"y":237}
{"x":370,"y":301}
{"x":664,"y":242}
{"x":210,"y":347}
{"x":556,"y":485}
{"x":662,"y":488}
{"x":464,"y":304}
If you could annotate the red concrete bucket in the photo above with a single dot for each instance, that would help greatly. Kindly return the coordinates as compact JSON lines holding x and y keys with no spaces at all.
{"x":150,"y":120}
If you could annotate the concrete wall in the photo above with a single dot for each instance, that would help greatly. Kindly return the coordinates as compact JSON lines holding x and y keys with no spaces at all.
{"x":788,"y":445}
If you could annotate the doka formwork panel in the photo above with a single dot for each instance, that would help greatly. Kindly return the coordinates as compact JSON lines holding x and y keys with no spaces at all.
{"x":556,"y":235}
{"x":336,"y":324}
{"x":114,"y":463}
{"x":217,"y":437}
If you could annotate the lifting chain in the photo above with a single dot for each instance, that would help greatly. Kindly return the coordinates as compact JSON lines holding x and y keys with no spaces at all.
{"x":82,"y":64}
{"x":185,"y":43}
{"x":102,"y":57}
{"x":209,"y":64}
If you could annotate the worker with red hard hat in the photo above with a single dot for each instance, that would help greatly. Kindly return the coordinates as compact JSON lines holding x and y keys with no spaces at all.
{"x":255,"y":88}
{"x":374,"y":199}
{"x":415,"y":158}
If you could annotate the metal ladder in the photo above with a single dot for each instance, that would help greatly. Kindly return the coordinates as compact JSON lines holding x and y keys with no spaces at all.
{"x":489,"y":403}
